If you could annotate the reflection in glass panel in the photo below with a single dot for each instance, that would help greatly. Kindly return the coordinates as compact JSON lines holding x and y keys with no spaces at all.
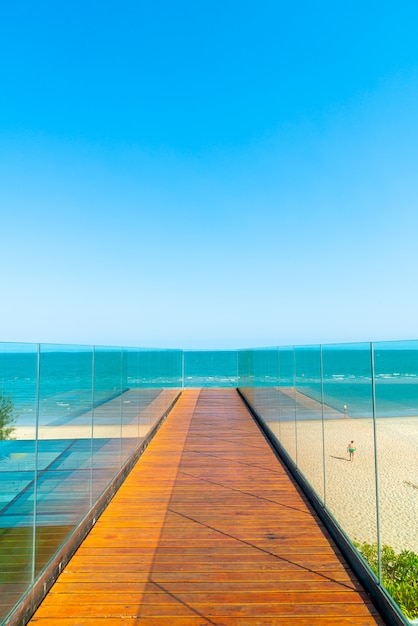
{"x":272,"y":381}
{"x":348,"y":424}
{"x":91,"y":407}
{"x":160,"y":381}
{"x":309,"y":422}
{"x":275,"y":393}
{"x":107,"y":416}
{"x":244,"y":369}
{"x":260,"y":391}
{"x":130,"y":401}
{"x":70,"y":416}
{"x":246,"y":374}
{"x":148,"y":383}
{"x":64,"y":449}
{"x":347,"y":398}
{"x":286,"y":401}
{"x":18,"y":378}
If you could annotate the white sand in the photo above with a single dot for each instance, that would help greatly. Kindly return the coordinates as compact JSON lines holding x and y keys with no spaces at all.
{"x":350,"y":487}
{"x":83,"y":432}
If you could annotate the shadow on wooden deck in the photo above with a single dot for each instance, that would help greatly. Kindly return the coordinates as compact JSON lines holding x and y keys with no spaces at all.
{"x":208,"y":528}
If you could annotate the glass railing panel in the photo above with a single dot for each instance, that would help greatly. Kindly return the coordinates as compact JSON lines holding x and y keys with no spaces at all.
{"x":150,"y":381}
{"x":287,"y":401}
{"x":84,"y":415}
{"x":350,"y":477}
{"x":207,"y":368}
{"x":160,"y":383}
{"x":70,"y":416}
{"x":63,"y":482}
{"x":251,"y":374}
{"x":309,"y":418}
{"x":172,"y":366}
{"x":245,"y":371}
{"x":18,"y":403}
{"x":160,"y":369}
{"x":261,"y":382}
{"x":130,"y":401}
{"x":272,"y":382}
{"x":269,"y":385}
{"x":109,"y":389}
{"x":257,"y":380}
{"x":396,"y":394}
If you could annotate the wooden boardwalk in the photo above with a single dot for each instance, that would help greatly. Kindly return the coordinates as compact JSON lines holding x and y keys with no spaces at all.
{"x":207,"y":529}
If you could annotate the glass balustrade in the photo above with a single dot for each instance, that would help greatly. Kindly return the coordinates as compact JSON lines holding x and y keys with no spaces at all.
{"x":70,"y":418}
{"x":18,"y":455}
{"x":348,"y":419}
{"x":309,"y":417}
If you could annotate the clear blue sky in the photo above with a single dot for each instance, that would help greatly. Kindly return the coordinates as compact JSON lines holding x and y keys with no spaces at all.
{"x":208,"y":174}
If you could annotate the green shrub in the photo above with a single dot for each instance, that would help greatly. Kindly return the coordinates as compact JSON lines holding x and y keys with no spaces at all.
{"x":7,"y":417}
{"x":399,"y":574}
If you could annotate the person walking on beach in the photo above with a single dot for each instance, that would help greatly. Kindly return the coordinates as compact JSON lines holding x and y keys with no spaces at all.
{"x":351,"y":449}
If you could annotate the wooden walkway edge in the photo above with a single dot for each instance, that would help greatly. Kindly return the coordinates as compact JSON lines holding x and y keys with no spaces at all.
{"x":208,"y":528}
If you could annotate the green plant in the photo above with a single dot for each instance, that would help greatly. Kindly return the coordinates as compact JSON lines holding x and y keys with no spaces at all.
{"x":7,"y":417}
{"x":399,"y":574}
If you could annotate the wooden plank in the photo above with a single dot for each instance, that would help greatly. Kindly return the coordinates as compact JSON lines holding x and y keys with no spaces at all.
{"x":207,"y":529}
{"x":201,"y":621}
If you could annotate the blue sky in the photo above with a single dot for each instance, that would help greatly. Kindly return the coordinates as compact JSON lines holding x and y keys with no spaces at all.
{"x":208,"y":174}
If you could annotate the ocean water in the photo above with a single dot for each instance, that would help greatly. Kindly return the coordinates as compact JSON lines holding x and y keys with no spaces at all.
{"x":344,"y":375}
{"x":73,"y":380}
{"x":350,"y":379}
{"x":67,"y":383}
{"x":206,"y":368}
{"x":67,"y":386}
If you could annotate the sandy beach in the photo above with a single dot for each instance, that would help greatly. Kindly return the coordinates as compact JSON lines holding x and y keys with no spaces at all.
{"x":83,"y":432}
{"x":350,"y":487}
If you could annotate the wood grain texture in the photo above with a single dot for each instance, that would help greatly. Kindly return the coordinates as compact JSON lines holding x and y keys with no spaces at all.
{"x":208,"y":528}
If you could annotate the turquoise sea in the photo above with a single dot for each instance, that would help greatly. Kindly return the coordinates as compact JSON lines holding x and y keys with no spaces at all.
{"x":69,"y":382}
{"x":351,"y":375}
{"x":343,"y":375}
{"x":350,"y":378}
